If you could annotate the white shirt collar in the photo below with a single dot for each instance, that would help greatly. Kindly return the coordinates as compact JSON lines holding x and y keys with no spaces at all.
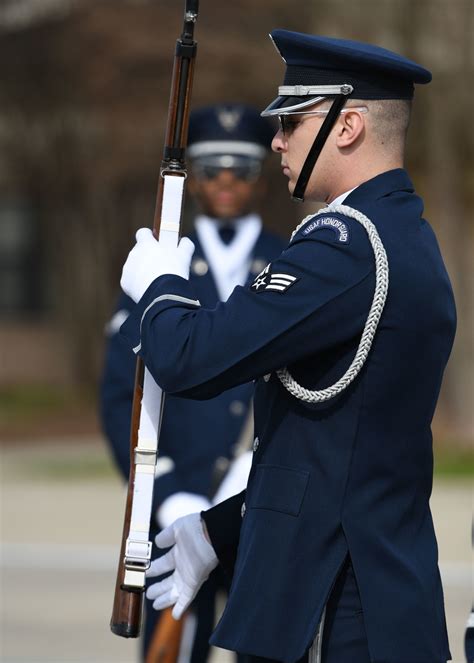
{"x":340,"y":199}
{"x":229,"y":263}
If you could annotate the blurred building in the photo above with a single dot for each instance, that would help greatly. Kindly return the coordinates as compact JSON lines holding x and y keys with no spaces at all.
{"x":83,"y":102}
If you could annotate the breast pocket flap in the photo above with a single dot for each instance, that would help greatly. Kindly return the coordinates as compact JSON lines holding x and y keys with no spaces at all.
{"x":278,"y":488}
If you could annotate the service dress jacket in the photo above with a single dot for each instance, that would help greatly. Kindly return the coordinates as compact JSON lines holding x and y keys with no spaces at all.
{"x":349,"y":476}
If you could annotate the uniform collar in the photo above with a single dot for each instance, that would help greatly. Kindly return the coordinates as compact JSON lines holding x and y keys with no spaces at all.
{"x":380,"y":186}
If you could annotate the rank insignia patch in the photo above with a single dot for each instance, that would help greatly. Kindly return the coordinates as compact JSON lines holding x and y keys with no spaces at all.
{"x":267,"y":280}
{"x":339,"y":227}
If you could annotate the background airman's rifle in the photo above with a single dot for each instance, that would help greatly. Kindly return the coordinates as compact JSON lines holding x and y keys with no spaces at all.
{"x":135,"y":553}
{"x":165,"y":643}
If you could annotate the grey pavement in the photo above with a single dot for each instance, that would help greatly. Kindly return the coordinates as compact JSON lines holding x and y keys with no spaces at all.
{"x":61,"y":510}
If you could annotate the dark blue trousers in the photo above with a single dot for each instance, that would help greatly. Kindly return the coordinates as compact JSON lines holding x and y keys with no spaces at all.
{"x":344,"y":635}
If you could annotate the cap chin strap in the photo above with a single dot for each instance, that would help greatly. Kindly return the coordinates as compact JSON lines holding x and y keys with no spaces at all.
{"x":317,"y":146}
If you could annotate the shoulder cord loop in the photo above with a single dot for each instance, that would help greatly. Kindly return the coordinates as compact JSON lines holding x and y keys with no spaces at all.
{"x":378,"y":303}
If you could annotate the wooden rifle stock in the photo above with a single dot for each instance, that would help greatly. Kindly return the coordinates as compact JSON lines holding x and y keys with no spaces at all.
{"x":127,"y":609}
{"x":128,"y":602}
{"x":166,"y":641}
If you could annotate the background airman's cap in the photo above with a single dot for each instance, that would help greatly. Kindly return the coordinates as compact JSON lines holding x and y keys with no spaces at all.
{"x":320,"y":67}
{"x":229,"y":129}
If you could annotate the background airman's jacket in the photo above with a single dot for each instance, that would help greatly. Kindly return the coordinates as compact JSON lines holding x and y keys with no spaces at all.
{"x":193,"y":435}
{"x":353,"y":475}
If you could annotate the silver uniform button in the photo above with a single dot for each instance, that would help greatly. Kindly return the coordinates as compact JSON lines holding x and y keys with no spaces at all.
{"x":257,"y":265}
{"x":267,"y":377}
{"x":243,"y":509}
{"x":237,"y":408}
{"x":199,"y":267}
{"x":256,"y":442}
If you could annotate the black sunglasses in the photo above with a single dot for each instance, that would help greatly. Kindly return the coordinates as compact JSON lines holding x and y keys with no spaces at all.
{"x":287,"y":122}
{"x":246,"y":173}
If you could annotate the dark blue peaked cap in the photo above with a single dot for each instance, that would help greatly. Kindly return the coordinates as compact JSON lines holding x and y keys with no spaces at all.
{"x":228,"y":128}
{"x":312,"y":61}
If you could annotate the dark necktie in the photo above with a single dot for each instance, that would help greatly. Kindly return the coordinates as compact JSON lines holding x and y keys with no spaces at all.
{"x":227,"y":234}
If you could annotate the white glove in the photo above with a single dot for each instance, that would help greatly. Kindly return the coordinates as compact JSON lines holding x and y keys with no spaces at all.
{"x":191,"y":559}
{"x":149,"y":259}
{"x":236,"y":478}
{"x":178,"y":505}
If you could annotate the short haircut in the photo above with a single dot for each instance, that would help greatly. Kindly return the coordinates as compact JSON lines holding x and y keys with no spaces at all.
{"x":389,"y":119}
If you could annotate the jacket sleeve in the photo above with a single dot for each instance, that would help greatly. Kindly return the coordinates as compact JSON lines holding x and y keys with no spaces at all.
{"x":223,"y":524}
{"x":316,"y":295}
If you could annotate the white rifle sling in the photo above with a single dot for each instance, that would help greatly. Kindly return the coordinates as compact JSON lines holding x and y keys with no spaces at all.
{"x":138,"y":545}
{"x":173,"y":190}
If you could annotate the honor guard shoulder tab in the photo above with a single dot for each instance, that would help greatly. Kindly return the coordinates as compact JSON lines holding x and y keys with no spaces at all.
{"x":328,"y":226}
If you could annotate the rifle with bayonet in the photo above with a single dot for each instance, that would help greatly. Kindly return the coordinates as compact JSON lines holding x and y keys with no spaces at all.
{"x":148,"y":401}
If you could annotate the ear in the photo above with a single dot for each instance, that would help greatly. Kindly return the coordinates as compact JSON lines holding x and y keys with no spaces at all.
{"x":350,"y":127}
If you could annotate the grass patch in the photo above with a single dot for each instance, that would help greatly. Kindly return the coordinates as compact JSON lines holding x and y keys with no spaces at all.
{"x":66,"y":469}
{"x":41,"y":410}
{"x":454,"y":458}
{"x":454,"y":462}
{"x":30,"y":400}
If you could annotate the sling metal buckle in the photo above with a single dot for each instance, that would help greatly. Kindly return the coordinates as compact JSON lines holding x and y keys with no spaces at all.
{"x":137,"y":555}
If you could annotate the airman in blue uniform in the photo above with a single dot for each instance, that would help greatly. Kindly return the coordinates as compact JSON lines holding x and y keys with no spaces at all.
{"x":346,"y":336}
{"x":227,"y":146}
